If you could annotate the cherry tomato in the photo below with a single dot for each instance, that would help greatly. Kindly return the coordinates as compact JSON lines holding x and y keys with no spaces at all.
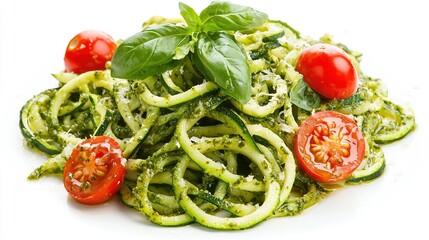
{"x":89,"y":50}
{"x":328,"y":70}
{"x":95,"y":170}
{"x":329,"y":146}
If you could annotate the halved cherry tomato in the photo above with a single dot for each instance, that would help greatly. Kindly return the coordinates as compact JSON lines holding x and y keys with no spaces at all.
{"x":328,"y":70}
{"x":89,"y":50}
{"x":95,"y":170}
{"x":329,"y":146}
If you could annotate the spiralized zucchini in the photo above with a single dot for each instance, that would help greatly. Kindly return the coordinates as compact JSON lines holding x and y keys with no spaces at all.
{"x":195,"y":155}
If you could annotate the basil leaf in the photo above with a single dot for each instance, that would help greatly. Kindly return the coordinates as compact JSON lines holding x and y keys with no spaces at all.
{"x":148,"y":52}
{"x":304,"y":97}
{"x":190,"y":16}
{"x":221,"y":59}
{"x":183,"y":51}
{"x":224,"y":16}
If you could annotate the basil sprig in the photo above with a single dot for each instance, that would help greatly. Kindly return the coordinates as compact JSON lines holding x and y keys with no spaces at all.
{"x":216,"y":54}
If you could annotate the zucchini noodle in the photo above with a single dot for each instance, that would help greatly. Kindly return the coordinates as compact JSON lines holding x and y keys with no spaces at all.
{"x":194,"y":154}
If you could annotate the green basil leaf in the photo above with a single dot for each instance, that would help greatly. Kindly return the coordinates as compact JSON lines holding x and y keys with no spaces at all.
{"x":221,"y":59}
{"x":224,"y":16}
{"x":304,"y":97}
{"x":148,"y":52}
{"x":190,"y":16}
{"x":183,"y":51}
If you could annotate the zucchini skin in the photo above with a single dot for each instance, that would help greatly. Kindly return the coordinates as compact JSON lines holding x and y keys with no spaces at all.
{"x":397,"y":122}
{"x":29,"y":134}
{"x":372,"y":166}
{"x":371,"y":175}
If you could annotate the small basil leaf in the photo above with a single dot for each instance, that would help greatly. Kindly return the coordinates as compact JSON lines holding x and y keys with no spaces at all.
{"x":304,"y":97}
{"x":224,"y":16}
{"x":221,"y":59}
{"x":148,"y":52}
{"x":183,"y":51}
{"x":190,"y":16}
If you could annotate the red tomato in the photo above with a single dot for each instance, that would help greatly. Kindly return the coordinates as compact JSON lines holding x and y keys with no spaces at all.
{"x":327,"y":69}
{"x":89,"y":50}
{"x":95,"y":170}
{"x":329,"y":146}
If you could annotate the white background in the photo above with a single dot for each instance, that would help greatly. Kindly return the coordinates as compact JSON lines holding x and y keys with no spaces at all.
{"x":393,"y":36}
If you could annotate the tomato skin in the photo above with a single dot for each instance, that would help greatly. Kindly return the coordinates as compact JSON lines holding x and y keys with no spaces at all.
{"x":89,"y":50}
{"x":329,"y":146}
{"x":95,"y":170}
{"x":328,"y":70}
